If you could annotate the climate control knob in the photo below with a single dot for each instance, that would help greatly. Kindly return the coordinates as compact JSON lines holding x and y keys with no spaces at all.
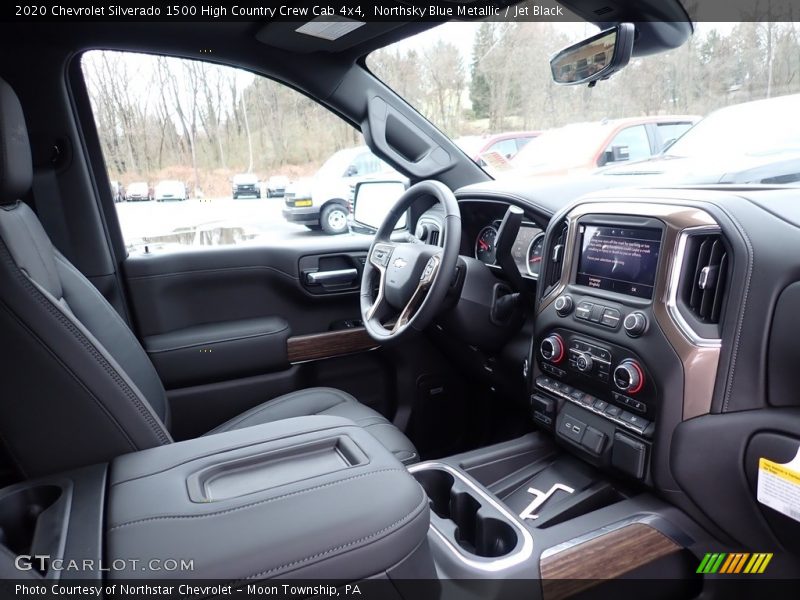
{"x":584,"y":362}
{"x":629,"y":377}
{"x":563,"y":305}
{"x":635,"y":324}
{"x":552,"y":348}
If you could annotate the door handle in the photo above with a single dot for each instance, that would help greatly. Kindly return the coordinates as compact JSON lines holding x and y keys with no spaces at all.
{"x":337,"y":277}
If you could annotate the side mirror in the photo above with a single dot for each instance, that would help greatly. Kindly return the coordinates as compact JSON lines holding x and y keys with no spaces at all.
{"x":594,"y":58}
{"x":372,"y":201}
{"x":620,"y":153}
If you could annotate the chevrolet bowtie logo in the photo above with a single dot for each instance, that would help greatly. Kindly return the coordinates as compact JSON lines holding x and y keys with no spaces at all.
{"x":541,"y":498}
{"x":400,"y":263}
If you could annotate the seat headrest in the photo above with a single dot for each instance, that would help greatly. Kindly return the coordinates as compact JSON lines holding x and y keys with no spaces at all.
{"x":16,"y":166}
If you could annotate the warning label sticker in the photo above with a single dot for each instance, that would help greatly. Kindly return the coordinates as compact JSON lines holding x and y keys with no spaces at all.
{"x":779,"y":486}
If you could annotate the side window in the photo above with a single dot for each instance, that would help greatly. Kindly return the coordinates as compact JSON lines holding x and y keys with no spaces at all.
{"x":631,"y":143}
{"x":522,"y":142}
{"x":507,"y":148}
{"x":366,"y":163}
{"x":669,"y":132}
{"x":191,"y":147}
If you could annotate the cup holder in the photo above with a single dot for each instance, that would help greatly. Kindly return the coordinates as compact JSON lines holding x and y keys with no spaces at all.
{"x":438,"y":485}
{"x":476,"y":526}
{"x":19,"y":515}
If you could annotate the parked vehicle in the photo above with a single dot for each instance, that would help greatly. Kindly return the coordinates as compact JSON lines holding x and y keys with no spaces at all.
{"x":117,"y":191}
{"x":138,"y":191}
{"x":583,"y":147}
{"x":171,"y":190}
{"x":322,"y":202}
{"x":276,"y":186}
{"x":506,"y":144}
{"x":753,"y":142}
{"x":245,"y":184}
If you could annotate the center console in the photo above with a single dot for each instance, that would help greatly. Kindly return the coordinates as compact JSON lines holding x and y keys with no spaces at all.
{"x":613,"y":367}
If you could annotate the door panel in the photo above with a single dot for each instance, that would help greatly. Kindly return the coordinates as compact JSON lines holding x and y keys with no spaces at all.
{"x":175,"y":291}
{"x":180,"y":295}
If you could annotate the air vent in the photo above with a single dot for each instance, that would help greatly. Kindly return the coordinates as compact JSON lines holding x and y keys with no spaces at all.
{"x":603,"y":11}
{"x":555,"y":256}
{"x":705,"y":277}
{"x":434,"y":237}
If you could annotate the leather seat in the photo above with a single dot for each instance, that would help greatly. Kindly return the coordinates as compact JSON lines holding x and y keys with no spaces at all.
{"x":77,"y":386}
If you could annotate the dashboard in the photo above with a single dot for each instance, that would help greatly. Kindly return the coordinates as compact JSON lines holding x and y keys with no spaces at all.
{"x":661,"y":342}
{"x":480,"y":223}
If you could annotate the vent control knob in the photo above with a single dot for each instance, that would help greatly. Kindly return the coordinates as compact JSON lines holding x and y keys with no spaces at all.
{"x":635,"y":324}
{"x":629,"y":377}
{"x":552,"y":348}
{"x":563,"y":305}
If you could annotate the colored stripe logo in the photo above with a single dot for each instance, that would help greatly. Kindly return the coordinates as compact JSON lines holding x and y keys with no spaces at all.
{"x":734,"y":563}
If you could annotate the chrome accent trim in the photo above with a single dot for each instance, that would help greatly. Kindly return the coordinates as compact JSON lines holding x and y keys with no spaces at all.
{"x":591,"y":408}
{"x":538,"y":236}
{"x":490,"y":565}
{"x":336,"y":276}
{"x":700,"y":357}
{"x":540,"y":498}
{"x":425,"y":281}
{"x":672,"y":294}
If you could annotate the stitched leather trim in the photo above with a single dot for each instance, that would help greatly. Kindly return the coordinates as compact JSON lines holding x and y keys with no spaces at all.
{"x":367,"y":538}
{"x":27,"y":284}
{"x":226,"y":511}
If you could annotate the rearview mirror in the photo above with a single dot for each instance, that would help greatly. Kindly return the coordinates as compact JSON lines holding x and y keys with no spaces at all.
{"x":372,"y":201}
{"x":594,"y":58}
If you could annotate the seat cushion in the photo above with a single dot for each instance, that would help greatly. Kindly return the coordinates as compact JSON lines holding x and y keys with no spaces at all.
{"x":327,"y":401}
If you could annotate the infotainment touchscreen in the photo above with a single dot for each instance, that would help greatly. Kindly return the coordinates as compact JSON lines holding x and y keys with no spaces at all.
{"x":619,"y":259}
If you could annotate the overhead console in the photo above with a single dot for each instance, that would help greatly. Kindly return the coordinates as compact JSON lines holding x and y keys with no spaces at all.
{"x":627,"y":330}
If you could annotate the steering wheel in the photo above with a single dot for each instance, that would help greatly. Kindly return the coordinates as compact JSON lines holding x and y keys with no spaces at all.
{"x":413,"y":277}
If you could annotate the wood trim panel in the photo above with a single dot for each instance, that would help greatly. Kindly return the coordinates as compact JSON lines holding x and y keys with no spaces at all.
{"x":607,"y":556}
{"x":317,"y":346}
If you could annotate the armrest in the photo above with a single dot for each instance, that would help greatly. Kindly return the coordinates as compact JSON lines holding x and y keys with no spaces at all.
{"x":314,"y":497}
{"x":219,"y":351}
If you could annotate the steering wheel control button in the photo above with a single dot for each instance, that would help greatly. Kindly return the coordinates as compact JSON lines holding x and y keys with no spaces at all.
{"x":563,"y":305}
{"x":584,"y":310}
{"x":635,"y":324}
{"x":628,"y":376}
{"x":552,"y":348}
{"x":610,"y":318}
{"x":381,"y":254}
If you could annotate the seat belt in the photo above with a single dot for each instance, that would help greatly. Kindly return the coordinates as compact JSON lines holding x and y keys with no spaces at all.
{"x":49,"y":207}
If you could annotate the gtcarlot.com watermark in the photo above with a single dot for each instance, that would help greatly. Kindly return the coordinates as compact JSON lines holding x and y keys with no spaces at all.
{"x":43,"y":562}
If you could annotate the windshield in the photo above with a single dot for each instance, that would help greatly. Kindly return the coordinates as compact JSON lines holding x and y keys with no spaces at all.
{"x":477,"y":80}
{"x":751,"y":129}
{"x":568,"y":144}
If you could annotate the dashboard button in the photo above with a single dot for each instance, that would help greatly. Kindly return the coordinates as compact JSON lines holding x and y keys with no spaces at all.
{"x":637,"y":422}
{"x":597,"y":313}
{"x":576,"y":395}
{"x":610,"y":318}
{"x":600,"y":404}
{"x":593,"y":440}
{"x":584,"y":310}
{"x":613,"y":411}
